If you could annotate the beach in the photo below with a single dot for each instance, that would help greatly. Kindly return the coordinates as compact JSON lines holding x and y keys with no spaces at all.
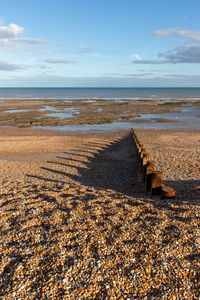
{"x":77,"y":224}
{"x":99,"y":150}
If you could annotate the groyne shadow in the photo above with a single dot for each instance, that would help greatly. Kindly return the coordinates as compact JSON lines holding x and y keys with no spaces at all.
{"x":111,"y":165}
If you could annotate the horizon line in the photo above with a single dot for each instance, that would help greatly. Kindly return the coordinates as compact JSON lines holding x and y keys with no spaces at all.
{"x":100,"y":87}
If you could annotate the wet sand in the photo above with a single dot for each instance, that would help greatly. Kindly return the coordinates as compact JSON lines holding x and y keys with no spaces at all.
{"x":60,"y":112}
{"x":76,"y":224}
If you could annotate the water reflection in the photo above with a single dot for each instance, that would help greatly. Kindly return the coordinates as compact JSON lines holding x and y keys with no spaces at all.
{"x":185,"y":114}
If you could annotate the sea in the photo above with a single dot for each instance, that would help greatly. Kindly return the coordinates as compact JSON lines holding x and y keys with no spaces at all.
{"x":102,"y":93}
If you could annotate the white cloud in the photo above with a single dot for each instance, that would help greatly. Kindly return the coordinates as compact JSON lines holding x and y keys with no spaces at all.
{"x":136,"y":56}
{"x":11,"y":41}
{"x":177,"y":31}
{"x":121,"y":75}
{"x":186,"y":53}
{"x":36,"y":41}
{"x":61,"y":61}
{"x":43,"y":67}
{"x":10,"y":31}
{"x":9,"y":37}
{"x":150,"y":62}
{"x":9,"y":66}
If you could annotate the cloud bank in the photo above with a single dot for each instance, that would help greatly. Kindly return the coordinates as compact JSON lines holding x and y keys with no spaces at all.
{"x":11,"y":31}
{"x":172,"y":80}
{"x":177,"y":31}
{"x":186,"y":53}
{"x":11,"y":41}
{"x":9,"y":66}
{"x":9,"y":35}
{"x":61,"y":61}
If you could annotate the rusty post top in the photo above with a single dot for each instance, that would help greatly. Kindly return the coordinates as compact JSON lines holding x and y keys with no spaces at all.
{"x":150,"y":167}
{"x":144,"y":150}
{"x":168,"y":192}
{"x":145,"y":158}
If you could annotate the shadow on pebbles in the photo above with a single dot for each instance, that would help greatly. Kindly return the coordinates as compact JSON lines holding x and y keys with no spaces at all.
{"x":83,"y":228}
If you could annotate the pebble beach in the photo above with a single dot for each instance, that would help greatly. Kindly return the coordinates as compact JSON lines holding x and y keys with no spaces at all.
{"x":77,"y":224}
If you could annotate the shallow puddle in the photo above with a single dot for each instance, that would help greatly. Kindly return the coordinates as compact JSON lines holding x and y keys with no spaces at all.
{"x":16,"y":110}
{"x":184,"y":114}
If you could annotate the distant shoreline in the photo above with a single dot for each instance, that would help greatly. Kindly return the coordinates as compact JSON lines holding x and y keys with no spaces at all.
{"x":93,"y":92}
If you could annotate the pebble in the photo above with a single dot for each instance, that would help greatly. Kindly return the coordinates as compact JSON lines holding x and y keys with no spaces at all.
{"x":104,"y":243}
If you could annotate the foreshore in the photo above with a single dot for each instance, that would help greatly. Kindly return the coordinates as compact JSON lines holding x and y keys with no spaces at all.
{"x":109,"y":114}
{"x":76,"y":224}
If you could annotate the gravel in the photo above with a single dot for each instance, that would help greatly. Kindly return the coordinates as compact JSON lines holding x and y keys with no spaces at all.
{"x":76,"y":224}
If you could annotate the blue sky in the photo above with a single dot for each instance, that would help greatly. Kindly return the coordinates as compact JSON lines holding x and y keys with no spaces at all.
{"x":95,"y":43}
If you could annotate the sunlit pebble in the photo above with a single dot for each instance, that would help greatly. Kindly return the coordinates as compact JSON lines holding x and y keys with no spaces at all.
{"x":126,"y":247}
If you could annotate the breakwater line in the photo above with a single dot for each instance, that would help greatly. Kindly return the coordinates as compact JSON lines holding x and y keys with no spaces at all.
{"x":148,"y":174}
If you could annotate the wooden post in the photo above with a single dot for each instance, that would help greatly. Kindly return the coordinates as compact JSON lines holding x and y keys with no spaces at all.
{"x":168,"y":192}
{"x":138,"y":146}
{"x":143,"y":151}
{"x":149,"y":170}
{"x":152,"y":179}
{"x":144,"y":161}
{"x":139,"y":150}
{"x":136,"y":142}
{"x":156,"y":183}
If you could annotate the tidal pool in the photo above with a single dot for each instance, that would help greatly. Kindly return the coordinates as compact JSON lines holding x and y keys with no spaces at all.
{"x":16,"y":110}
{"x":184,"y":114}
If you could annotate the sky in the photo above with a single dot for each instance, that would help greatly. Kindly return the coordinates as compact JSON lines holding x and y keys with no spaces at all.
{"x":99,"y":43}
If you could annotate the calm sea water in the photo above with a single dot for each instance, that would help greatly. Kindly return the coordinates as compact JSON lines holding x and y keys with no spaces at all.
{"x":117,"y":93}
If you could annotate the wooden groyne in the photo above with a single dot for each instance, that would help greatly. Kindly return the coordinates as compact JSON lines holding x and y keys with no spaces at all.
{"x":148,"y":174}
